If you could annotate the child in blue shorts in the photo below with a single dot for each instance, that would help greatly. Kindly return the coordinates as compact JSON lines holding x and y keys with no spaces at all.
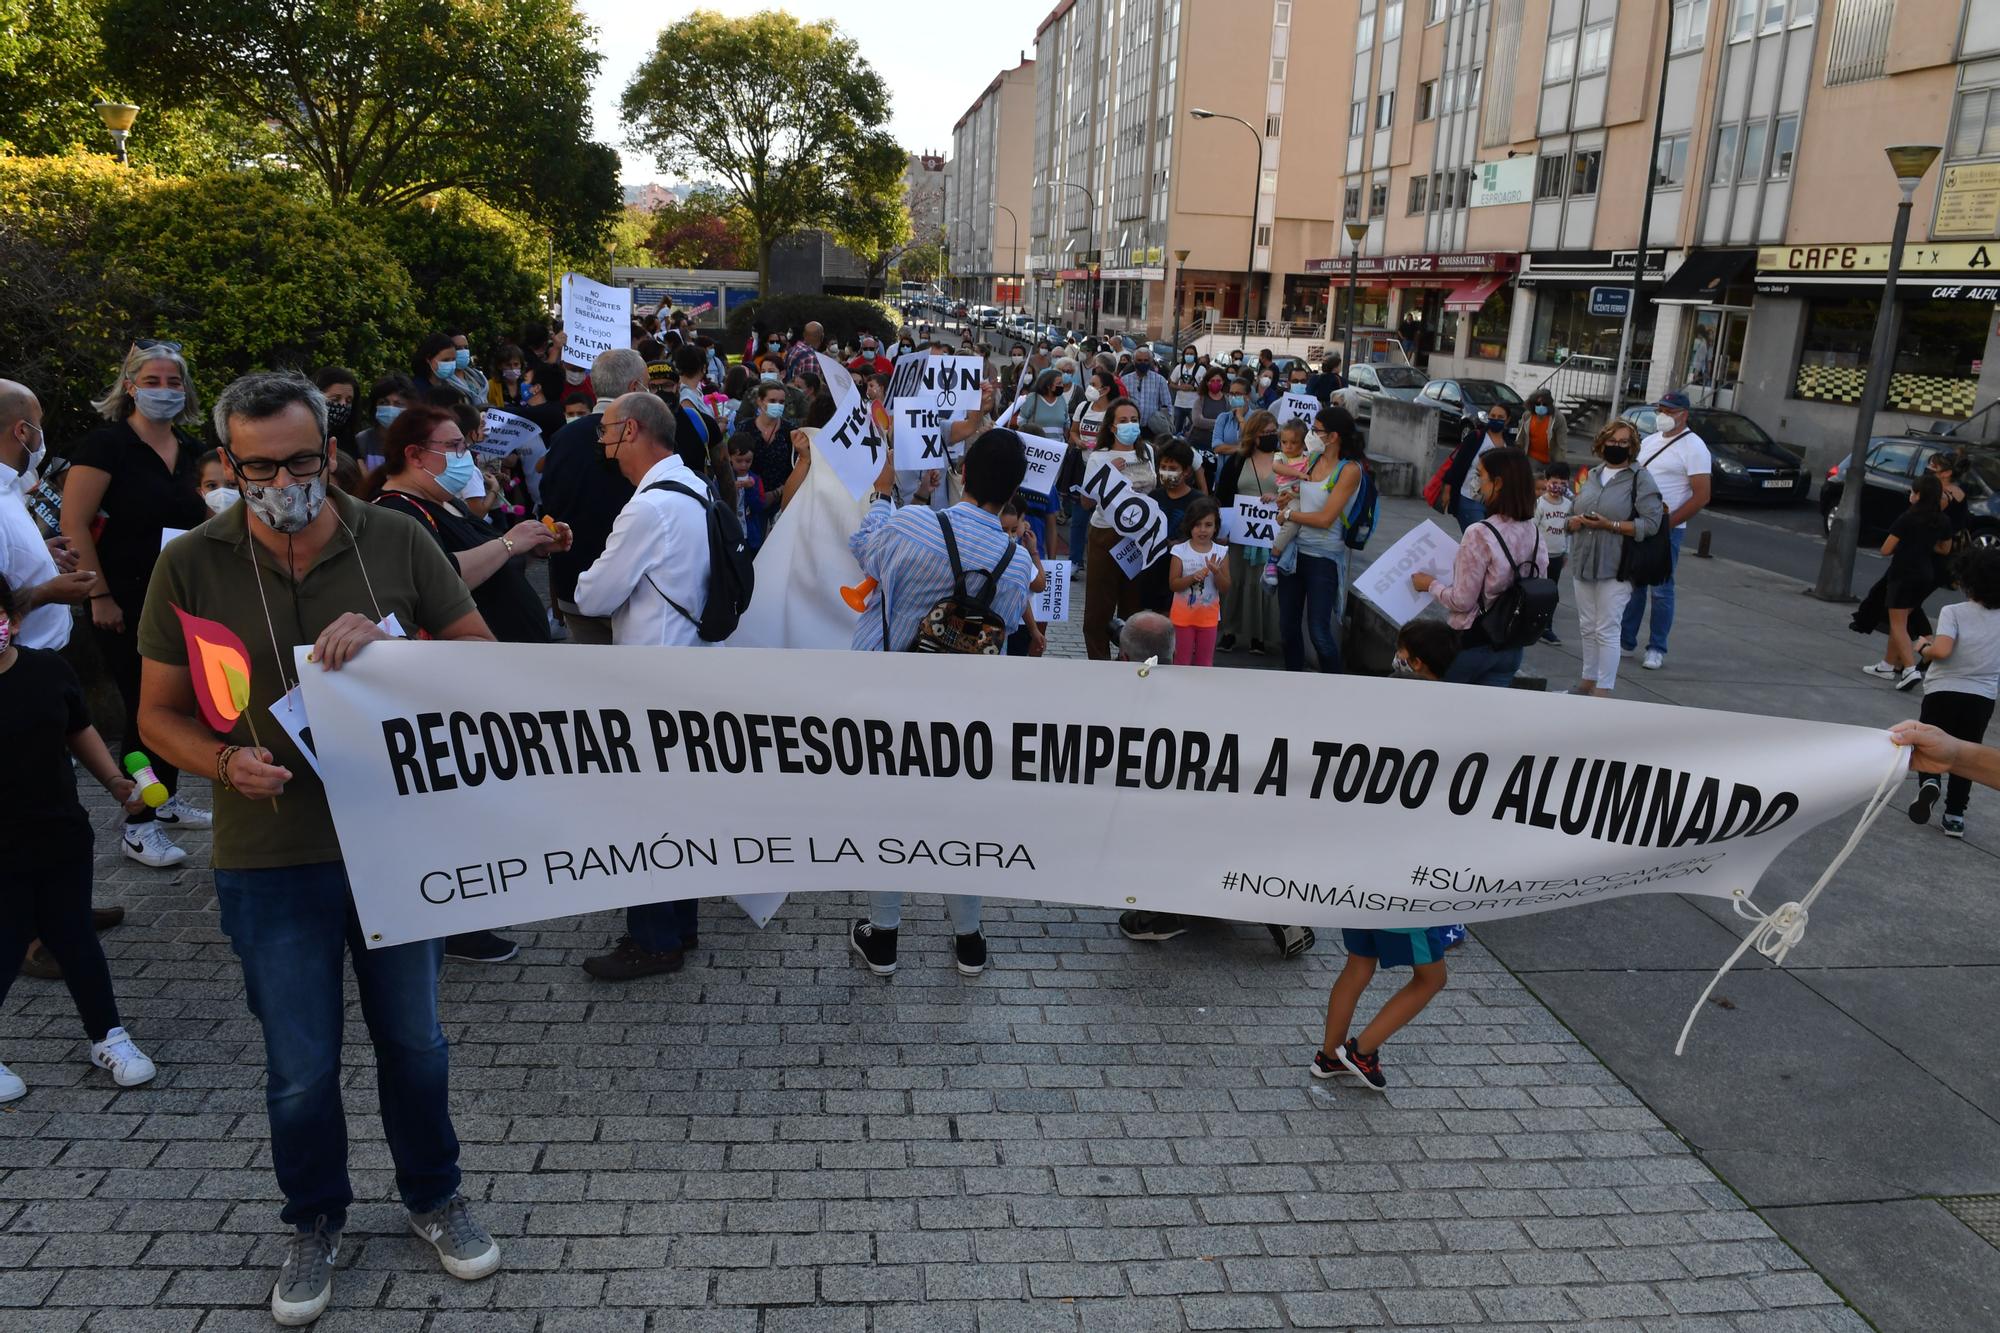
{"x":1422,"y":951}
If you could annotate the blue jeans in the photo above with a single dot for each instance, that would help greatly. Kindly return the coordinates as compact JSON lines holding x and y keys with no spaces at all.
{"x":1661,"y":595}
{"x":885,"y":911}
{"x":662,"y":927}
{"x":1483,"y":665}
{"x":290,"y":927}
{"x":1079,"y":532}
{"x":1467,"y":512}
{"x":1314,"y":591}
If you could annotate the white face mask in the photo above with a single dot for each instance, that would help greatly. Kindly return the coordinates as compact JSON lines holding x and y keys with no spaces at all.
{"x":221,"y":498}
{"x":1090,"y":393}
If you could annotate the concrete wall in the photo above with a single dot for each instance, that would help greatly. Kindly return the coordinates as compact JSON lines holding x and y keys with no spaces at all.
{"x":1406,"y":434}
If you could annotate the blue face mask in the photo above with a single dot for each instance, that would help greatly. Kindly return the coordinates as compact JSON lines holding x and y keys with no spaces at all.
{"x":461,"y":358}
{"x":1127,"y":432}
{"x":1541,"y":409}
{"x":1236,"y":400}
{"x":459,"y":470}
{"x":769,"y":377}
{"x":159,"y":404}
{"x":387,"y":413}
{"x":775,"y":411}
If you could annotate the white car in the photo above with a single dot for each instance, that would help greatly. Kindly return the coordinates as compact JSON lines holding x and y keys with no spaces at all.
{"x":1364,"y":381}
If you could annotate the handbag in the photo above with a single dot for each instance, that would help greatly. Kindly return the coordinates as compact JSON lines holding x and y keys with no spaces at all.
{"x":1525,"y":608}
{"x":1646,"y":562}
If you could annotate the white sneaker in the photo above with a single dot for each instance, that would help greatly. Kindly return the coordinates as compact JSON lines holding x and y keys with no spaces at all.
{"x":149,"y":845}
{"x":1654,"y":659}
{"x":1882,"y":669}
{"x":128,"y":1064}
{"x":182,"y":815}
{"x":12,"y":1089}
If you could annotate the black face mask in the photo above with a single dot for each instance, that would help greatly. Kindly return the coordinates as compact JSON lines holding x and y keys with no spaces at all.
{"x":1616,"y":454}
{"x":337,"y":414}
{"x":1267,"y":444}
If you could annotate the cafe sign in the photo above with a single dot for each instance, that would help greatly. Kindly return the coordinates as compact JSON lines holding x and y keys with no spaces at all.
{"x":1925,"y":257}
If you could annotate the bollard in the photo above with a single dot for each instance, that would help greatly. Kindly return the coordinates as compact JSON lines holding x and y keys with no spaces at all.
{"x":1701,"y":547}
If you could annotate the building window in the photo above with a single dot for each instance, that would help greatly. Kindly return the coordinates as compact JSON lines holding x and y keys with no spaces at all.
{"x":1584,"y":165}
{"x":1594,"y":56}
{"x":1688,"y":26}
{"x":1392,"y":20}
{"x":1283,"y":17}
{"x":1271,"y":126}
{"x":1859,"y":43}
{"x":1774,"y":14}
{"x":1549,"y":176}
{"x":1267,"y":183}
{"x":1427,"y":100}
{"x":1350,"y":206}
{"x":1561,"y":60}
{"x":1723,"y":169}
{"x":1670,"y":167}
{"x":1264,"y":235}
{"x":1378,"y":199}
{"x":1563,"y":326}
{"x":1744,"y":21}
{"x":1784,"y":145}
{"x":1939,"y":348}
{"x":1753,"y":151}
{"x":1436,"y":14}
{"x":1975,"y":125}
{"x":1489,"y":325}
{"x":1364,"y":33}
{"x":1419,"y":193}
{"x":1277,"y":69}
{"x":1385,"y":110}
{"x":1357,"y":117}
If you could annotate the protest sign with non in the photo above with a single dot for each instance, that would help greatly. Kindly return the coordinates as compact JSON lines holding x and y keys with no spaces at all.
{"x":556,"y":783}
{"x":1051,"y":604}
{"x":1386,"y":581}
{"x":1044,"y":461}
{"x":597,"y":318}
{"x":1251,"y":522}
{"x":951,"y":382}
{"x":920,"y":430}
{"x":1131,"y":515}
{"x":506,"y":433}
{"x":1296,"y":406}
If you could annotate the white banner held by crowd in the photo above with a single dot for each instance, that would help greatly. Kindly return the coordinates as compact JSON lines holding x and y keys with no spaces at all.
{"x":1386,"y":581}
{"x":597,"y":318}
{"x":506,"y":433}
{"x":554,"y":781}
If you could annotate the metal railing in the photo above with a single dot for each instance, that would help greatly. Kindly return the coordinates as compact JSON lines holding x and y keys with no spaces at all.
{"x":1581,"y":385}
{"x":1265,"y":328}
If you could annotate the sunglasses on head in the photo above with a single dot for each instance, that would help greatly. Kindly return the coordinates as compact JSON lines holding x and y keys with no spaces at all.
{"x":155,"y":344}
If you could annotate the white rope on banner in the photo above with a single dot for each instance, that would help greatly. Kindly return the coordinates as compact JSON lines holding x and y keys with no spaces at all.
{"x":1777,"y":931}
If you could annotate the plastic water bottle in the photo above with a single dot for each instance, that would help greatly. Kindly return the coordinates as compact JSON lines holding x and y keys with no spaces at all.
{"x":151,"y":790}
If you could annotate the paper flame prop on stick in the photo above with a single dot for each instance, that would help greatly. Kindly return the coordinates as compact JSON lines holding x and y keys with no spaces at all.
{"x":220,"y":666}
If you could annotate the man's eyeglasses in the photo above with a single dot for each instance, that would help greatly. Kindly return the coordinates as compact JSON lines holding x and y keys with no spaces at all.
{"x":152,"y":344}
{"x":266,"y":469}
{"x":603,"y":426}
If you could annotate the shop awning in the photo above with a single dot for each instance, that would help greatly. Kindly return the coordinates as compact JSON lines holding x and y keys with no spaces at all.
{"x":1705,"y":275}
{"x":1472,"y":293}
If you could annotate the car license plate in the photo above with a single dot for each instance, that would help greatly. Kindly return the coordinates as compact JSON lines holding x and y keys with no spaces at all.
{"x":1780,"y":483}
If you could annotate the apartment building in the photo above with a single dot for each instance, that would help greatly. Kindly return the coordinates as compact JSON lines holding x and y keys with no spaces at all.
{"x":986,"y":204}
{"x":1502,"y":153}
{"x":926,"y":187}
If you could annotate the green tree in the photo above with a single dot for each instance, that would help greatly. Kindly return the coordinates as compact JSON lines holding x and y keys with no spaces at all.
{"x":387,"y":101}
{"x":923,"y":262}
{"x":782,"y":113}
{"x":472,"y":268}
{"x":871,"y":219}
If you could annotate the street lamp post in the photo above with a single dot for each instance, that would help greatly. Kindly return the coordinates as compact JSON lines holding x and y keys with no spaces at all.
{"x":1180,"y":292}
{"x":1090,"y":225}
{"x":1836,"y":569}
{"x":1013,"y":238}
{"x":118,"y":118}
{"x":610,"y":261}
{"x":1639,"y":261}
{"x":1356,"y":232}
{"x":1256,"y":193}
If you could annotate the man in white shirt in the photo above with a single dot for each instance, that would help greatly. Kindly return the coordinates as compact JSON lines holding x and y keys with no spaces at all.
{"x":1678,"y":460}
{"x":27,"y":562}
{"x":652,"y":580}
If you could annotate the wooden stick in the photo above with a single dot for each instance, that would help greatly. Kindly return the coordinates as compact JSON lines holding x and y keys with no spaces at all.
{"x":259,"y":744}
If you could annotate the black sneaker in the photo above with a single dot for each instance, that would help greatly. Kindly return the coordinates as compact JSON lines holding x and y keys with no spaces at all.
{"x":971,"y":951}
{"x":1927,"y":798}
{"x":1549,"y":637}
{"x":877,"y":947}
{"x":1367,"y":1068}
{"x":1954,"y":826}
{"x":1151,"y":926}
{"x":1292,"y":940}
{"x":1325,"y":1066}
{"x":480,"y":946}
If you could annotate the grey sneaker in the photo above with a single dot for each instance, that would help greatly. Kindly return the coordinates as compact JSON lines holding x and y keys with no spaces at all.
{"x":467,"y":1250}
{"x":305,"y":1283}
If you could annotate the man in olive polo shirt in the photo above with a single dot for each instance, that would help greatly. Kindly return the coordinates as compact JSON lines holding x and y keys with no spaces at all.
{"x":295,"y":564}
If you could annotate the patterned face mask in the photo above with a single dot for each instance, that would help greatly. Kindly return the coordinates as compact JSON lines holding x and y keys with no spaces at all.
{"x":286,"y":509}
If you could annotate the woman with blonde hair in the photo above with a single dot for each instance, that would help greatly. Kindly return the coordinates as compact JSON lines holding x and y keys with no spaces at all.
{"x":1617,"y":500}
{"x":140,"y":470}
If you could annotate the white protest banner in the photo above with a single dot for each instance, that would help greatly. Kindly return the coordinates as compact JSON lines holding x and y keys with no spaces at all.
{"x":1386,"y":581}
{"x":919,"y":434}
{"x":597,"y":318}
{"x":1044,"y":461}
{"x":1296,"y":406}
{"x":553,"y":781}
{"x":1013,"y":409}
{"x":290,"y":707}
{"x":506,"y":433}
{"x":1250,"y":522}
{"x":810,"y":588}
{"x":1051,"y":604}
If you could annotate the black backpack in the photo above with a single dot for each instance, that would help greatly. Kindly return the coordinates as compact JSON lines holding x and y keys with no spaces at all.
{"x":959,"y":622}
{"x":1525,"y":608}
{"x":730,"y":577}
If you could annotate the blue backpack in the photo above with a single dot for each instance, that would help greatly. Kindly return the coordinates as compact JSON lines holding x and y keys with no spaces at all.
{"x":1358,"y":525}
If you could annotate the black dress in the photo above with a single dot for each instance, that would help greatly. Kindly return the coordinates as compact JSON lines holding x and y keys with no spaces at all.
{"x":509,"y":603}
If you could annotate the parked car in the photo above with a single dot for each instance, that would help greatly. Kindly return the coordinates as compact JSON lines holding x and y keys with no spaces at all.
{"x":1365,"y":381}
{"x":1749,"y":466}
{"x":1894,"y":464}
{"x":1451,"y":399}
